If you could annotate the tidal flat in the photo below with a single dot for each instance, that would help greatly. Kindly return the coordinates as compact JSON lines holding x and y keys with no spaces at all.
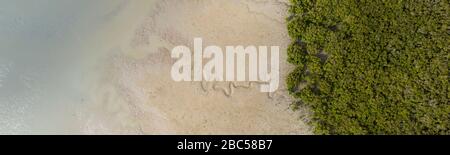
{"x":103,"y":67}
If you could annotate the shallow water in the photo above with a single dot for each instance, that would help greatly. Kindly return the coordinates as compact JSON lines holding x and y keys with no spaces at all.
{"x":47,"y":52}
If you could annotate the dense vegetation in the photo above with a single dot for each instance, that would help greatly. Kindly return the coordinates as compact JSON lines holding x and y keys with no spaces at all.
{"x":372,"y":66}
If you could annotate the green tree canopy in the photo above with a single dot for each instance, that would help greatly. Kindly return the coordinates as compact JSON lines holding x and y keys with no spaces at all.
{"x":372,"y":66}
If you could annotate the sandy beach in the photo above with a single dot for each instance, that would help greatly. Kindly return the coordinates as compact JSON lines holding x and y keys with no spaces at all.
{"x":140,"y":97}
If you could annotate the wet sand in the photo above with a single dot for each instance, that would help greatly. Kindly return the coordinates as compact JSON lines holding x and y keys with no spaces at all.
{"x":134,"y":93}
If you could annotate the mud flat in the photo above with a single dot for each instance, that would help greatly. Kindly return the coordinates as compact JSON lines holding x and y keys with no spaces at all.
{"x":135,"y":94}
